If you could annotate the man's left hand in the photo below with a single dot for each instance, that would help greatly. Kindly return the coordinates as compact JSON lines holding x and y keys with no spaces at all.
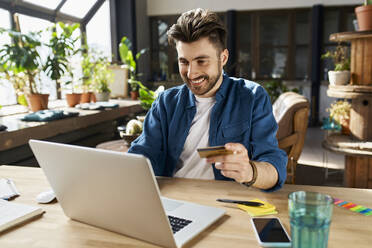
{"x":236,"y":165}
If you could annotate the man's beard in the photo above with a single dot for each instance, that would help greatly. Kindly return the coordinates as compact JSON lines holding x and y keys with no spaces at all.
{"x":206,"y":86}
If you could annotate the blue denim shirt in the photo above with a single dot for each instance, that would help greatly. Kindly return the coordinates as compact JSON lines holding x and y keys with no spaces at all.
{"x":242,"y":114}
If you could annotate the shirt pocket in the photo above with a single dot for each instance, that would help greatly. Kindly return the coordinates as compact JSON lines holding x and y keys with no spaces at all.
{"x":235,"y":131}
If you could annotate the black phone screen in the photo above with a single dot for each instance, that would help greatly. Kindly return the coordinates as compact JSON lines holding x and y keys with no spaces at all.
{"x":270,"y":230}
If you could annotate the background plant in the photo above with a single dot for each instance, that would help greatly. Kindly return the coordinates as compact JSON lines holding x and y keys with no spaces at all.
{"x":20,"y":60}
{"x":147,"y":96}
{"x":339,"y":111}
{"x":87,"y":65}
{"x":339,"y":57}
{"x":275,"y":88}
{"x":62,"y":45}
{"x":102,"y":75}
{"x":126,"y":56}
{"x":96,"y":72}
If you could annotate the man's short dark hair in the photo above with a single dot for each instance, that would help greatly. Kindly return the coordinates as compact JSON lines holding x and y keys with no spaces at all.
{"x":196,"y":24}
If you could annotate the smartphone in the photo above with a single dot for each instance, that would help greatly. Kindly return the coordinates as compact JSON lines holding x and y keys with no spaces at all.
{"x":206,"y":152}
{"x":270,"y":232}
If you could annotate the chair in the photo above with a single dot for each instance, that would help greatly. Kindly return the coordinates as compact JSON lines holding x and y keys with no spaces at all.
{"x":291,"y":113}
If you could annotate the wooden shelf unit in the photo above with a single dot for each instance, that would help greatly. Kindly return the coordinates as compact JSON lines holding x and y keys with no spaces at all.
{"x":358,"y":162}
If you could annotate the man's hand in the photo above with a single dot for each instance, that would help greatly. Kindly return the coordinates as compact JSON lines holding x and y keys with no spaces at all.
{"x":235,"y":166}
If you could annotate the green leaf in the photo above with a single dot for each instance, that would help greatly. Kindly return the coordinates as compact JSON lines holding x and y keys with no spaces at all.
{"x":138,"y":55}
{"x":21,"y":99}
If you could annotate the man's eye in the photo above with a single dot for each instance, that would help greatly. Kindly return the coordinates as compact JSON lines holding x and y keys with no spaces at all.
{"x":182,"y":62}
{"x":202,"y":62}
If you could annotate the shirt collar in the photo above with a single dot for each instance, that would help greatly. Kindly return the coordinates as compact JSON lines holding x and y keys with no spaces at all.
{"x":222,"y":91}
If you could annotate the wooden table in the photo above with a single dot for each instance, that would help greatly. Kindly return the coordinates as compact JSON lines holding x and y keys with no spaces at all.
{"x":54,"y":229}
{"x":114,"y":145}
{"x":90,"y":128}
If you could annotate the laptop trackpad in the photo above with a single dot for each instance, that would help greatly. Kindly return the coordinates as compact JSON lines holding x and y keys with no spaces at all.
{"x":170,"y":205}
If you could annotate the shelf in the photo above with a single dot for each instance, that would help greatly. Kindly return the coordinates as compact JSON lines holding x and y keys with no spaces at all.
{"x":347,"y":145}
{"x":349,"y":91}
{"x":347,"y":36}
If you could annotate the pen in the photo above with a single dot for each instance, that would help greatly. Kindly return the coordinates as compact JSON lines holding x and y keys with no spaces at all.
{"x":247,"y":203}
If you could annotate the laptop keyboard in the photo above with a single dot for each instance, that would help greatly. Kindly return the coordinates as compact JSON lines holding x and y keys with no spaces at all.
{"x":178,"y":223}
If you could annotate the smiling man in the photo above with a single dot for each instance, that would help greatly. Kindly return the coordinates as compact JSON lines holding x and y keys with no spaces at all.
{"x":211,"y":109}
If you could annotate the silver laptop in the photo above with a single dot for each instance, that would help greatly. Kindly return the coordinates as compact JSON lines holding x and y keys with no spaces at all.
{"x":118,"y":192}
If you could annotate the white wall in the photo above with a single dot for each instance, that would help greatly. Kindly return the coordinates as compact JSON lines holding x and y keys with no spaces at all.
{"x":169,"y":7}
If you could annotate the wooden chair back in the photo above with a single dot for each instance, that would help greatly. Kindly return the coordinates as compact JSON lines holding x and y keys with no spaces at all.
{"x":291,"y":113}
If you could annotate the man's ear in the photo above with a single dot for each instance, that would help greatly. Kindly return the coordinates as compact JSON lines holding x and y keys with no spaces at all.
{"x":224,"y":57}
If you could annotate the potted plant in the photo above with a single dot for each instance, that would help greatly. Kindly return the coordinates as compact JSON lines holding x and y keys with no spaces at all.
{"x":133,"y":88}
{"x":147,"y":96}
{"x":102,"y":77}
{"x":21,"y":60}
{"x":341,"y":74}
{"x":339,"y":112}
{"x":62,"y":45}
{"x":364,"y":15}
{"x":87,"y":65}
{"x":275,"y":88}
{"x":126,"y":56}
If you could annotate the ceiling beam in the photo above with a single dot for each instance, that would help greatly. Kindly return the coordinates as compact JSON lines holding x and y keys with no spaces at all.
{"x":93,"y":10}
{"x":30,"y":9}
{"x":60,"y":5}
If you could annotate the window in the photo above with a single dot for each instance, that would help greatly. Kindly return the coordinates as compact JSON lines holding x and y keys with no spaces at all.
{"x":77,"y":8}
{"x":7,"y":94}
{"x":98,"y":30}
{"x":163,"y":61}
{"x":301,"y":66}
{"x":244,"y":44}
{"x":273,"y":44}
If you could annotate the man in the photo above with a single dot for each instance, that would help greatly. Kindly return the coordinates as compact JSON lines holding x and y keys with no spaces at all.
{"x":211,"y":109}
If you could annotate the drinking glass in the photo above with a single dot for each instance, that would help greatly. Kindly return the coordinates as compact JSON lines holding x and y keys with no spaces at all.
{"x":310,"y":217}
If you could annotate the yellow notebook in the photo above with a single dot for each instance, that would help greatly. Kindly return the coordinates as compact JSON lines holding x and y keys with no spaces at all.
{"x":266,"y":209}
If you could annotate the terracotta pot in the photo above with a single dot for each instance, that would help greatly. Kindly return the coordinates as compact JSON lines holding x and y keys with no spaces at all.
{"x":364,"y":16}
{"x":37,"y":102}
{"x":73,"y":99}
{"x":87,"y":97}
{"x":93,"y":97}
{"x":134,"y":95}
{"x":345,"y":126}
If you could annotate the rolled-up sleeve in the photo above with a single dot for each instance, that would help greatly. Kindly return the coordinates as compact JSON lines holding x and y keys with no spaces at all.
{"x":264,"y":145}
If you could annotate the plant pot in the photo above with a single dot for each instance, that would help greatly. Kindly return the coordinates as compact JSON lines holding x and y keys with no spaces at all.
{"x":87,"y":97}
{"x":364,"y":16}
{"x":339,"y":77}
{"x":73,"y":99}
{"x":134,"y":95}
{"x":102,"y":96}
{"x":37,"y":102}
{"x":345,"y":126}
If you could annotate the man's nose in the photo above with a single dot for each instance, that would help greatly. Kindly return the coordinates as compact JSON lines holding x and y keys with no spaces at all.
{"x":191,"y":71}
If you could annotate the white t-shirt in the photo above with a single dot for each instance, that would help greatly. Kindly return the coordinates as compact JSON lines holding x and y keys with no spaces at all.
{"x":190,"y":165}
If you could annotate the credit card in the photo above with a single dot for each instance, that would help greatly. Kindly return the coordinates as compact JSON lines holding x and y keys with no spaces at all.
{"x":206,"y":152}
